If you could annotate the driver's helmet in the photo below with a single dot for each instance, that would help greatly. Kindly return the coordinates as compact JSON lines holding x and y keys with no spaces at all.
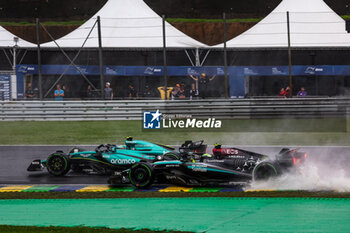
{"x":207,"y":156}
{"x":130,"y":144}
{"x":113,"y":148}
{"x":217,"y":146}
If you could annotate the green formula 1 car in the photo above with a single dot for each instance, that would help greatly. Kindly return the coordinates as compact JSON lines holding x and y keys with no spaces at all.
{"x":108,"y":158}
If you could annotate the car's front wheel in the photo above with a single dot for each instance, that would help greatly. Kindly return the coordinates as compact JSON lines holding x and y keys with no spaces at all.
{"x":58,"y":164}
{"x":141,"y":175}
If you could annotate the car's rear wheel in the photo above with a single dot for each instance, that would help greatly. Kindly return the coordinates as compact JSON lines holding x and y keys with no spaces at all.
{"x":58,"y":164}
{"x":265,"y":171}
{"x":171,"y":156}
{"x":141,"y":175}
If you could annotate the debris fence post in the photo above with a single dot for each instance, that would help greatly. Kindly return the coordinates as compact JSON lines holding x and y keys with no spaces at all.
{"x":225,"y":58}
{"x":165,"y":59}
{"x":39,"y":59}
{"x":100,"y":56}
{"x":289,"y":55}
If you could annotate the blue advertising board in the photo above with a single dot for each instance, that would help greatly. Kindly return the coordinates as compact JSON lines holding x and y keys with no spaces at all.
{"x":5,"y":87}
{"x":236,"y":74}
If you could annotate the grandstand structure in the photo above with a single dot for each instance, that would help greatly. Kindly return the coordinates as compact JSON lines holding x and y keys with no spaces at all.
{"x":132,"y":39}
{"x":312,"y":23}
{"x":126,"y":24}
{"x":63,"y":10}
{"x":304,"y":30}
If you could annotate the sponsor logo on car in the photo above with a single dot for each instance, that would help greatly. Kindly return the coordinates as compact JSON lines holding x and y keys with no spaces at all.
{"x":172,"y":165}
{"x":199,"y":168}
{"x":236,"y":157}
{"x":123,"y":161}
{"x":230,"y":151}
{"x":214,"y":161}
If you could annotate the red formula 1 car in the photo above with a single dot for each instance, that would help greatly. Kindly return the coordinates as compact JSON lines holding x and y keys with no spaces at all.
{"x":226,"y":166}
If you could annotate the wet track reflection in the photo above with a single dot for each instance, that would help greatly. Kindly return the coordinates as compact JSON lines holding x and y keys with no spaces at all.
{"x":16,"y":159}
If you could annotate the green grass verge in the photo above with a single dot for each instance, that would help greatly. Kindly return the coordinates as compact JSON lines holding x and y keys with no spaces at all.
{"x":31,"y":229}
{"x":345,"y":17}
{"x":238,"y":132}
{"x":138,"y":194}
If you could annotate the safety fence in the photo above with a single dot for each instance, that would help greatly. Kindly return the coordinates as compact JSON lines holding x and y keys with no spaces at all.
{"x":133,"y":109}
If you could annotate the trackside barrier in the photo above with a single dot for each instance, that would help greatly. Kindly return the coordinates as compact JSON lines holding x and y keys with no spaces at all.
{"x":133,"y":109}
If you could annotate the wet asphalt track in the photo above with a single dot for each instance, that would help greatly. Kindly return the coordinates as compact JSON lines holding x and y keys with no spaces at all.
{"x":16,"y":159}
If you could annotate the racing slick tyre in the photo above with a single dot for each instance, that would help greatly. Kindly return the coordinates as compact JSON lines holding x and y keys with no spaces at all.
{"x":58,"y":164}
{"x":265,"y":171}
{"x":171,"y":156}
{"x":141,"y":175}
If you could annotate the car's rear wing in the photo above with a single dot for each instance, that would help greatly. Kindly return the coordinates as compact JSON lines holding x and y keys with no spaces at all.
{"x":290,"y":157}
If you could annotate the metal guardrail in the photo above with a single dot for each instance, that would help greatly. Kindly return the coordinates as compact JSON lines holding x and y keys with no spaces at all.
{"x":133,"y":109}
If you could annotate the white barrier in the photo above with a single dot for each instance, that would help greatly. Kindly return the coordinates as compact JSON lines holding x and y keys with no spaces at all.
{"x":133,"y":109}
